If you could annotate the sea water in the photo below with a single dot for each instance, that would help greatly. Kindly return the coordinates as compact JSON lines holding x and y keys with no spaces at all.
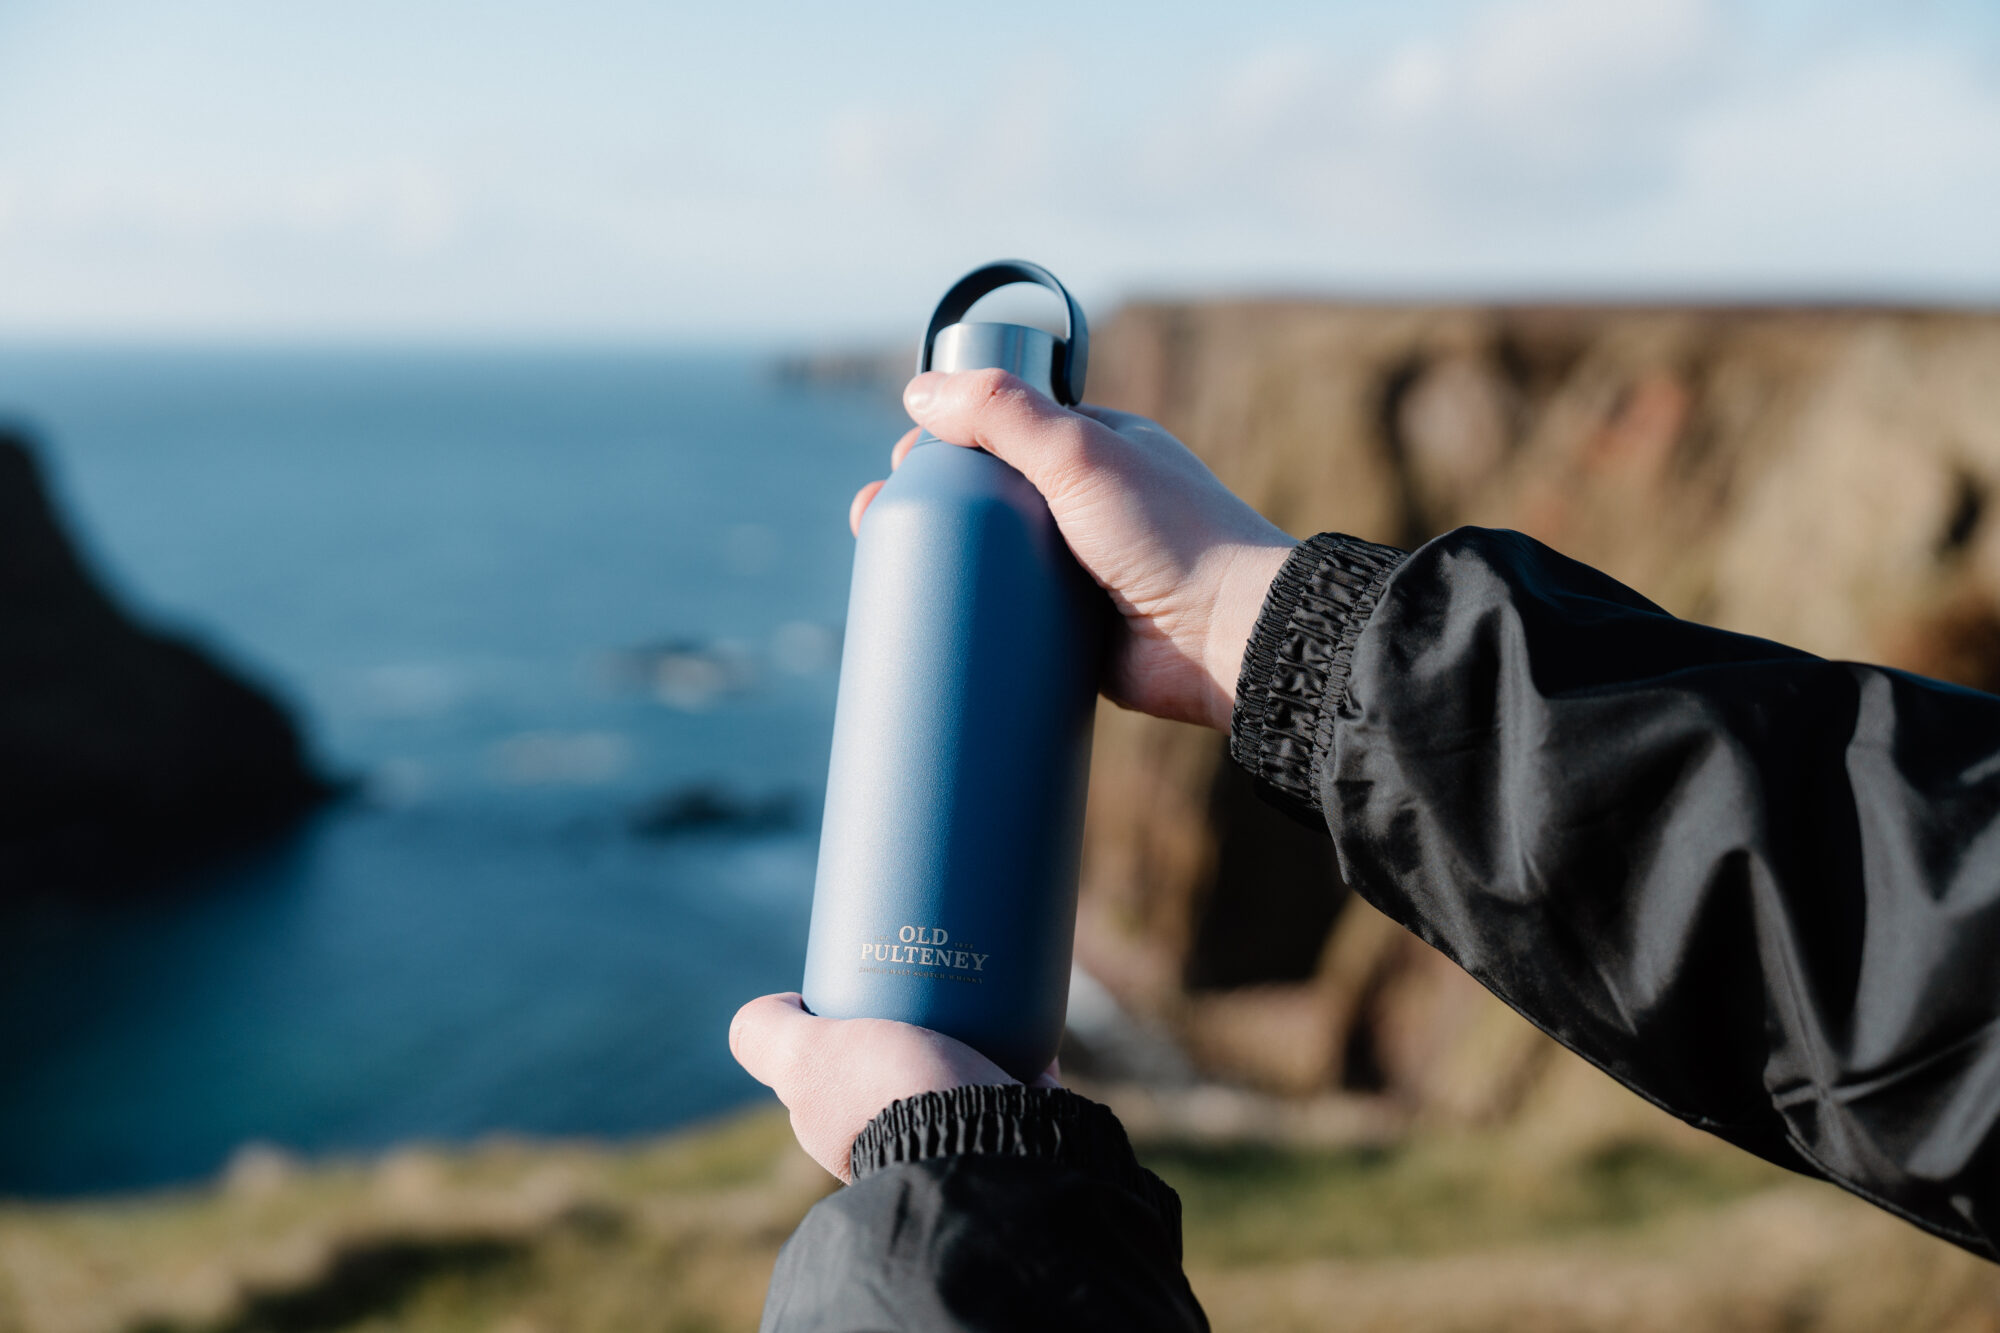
{"x":569,"y":620}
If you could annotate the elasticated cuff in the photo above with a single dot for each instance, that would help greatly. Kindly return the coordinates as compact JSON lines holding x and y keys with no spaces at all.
{"x":1294,"y":679}
{"x":1011,"y":1120}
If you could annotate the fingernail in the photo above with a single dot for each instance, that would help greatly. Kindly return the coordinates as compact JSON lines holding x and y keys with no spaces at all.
{"x":921,"y":393}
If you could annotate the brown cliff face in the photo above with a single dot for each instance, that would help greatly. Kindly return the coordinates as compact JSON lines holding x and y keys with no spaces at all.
{"x":1821,"y":477}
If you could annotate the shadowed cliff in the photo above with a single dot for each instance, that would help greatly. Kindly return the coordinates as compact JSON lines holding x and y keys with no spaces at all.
{"x":124,"y":752}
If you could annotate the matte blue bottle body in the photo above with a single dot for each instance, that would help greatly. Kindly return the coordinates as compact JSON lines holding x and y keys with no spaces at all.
{"x":946,"y":892}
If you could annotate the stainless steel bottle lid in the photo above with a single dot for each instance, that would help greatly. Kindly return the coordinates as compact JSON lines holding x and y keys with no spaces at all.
{"x":1054,"y":365}
{"x":1027,"y":352}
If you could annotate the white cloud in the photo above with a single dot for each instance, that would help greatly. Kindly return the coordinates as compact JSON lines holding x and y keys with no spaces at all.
{"x":796,"y":180}
{"x":401,"y":208}
{"x":1414,"y":82}
{"x":1880,"y":164}
{"x":1548,"y":102}
{"x":1546,"y":60}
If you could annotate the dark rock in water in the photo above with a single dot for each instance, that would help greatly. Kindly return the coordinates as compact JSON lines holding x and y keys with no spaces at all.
{"x":124,"y":752}
{"x":705,"y":808}
{"x":884,"y":369}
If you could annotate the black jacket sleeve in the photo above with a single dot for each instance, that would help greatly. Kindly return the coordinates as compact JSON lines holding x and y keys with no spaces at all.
{"x":1760,"y":888}
{"x":989,"y":1208}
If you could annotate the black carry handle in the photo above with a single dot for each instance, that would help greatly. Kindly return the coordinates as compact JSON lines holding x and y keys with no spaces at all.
{"x":1072,"y":353}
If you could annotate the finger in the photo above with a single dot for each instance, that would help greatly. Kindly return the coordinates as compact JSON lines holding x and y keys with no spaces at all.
{"x":767,"y":1033}
{"x":903,"y":447}
{"x":860,"y":505}
{"x":999,"y":413}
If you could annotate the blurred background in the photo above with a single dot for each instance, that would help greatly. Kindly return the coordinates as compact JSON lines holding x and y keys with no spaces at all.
{"x":426,"y":434}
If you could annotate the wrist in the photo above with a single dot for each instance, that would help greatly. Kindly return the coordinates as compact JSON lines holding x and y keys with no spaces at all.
{"x":1240,"y":592}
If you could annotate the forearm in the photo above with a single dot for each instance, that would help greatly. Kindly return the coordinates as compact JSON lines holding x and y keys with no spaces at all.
{"x":989,"y":1208}
{"x":1760,"y":888}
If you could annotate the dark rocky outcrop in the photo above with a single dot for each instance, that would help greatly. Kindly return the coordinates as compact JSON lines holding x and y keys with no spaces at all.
{"x":124,"y":752}
{"x":708,"y":807}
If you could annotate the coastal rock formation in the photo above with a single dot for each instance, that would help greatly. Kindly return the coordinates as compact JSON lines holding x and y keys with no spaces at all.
{"x":123,"y":751}
{"x":1821,"y":477}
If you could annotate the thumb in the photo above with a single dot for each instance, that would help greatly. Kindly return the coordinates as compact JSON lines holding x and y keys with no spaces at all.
{"x":1000,"y":413}
{"x":768,"y":1034}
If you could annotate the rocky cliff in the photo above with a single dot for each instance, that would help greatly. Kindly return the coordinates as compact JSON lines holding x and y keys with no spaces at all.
{"x":123,"y":751}
{"x":1819,"y":476}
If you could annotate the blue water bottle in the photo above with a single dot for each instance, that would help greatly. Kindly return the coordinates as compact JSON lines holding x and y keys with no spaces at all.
{"x":946,"y":894}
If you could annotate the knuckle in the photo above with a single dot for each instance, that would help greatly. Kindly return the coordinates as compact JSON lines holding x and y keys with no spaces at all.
{"x":991,"y":387}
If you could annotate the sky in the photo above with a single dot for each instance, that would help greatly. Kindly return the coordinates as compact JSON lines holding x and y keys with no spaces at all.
{"x":635,"y":169}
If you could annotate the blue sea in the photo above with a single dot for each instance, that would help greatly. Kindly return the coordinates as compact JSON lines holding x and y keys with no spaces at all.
{"x":523,"y":599}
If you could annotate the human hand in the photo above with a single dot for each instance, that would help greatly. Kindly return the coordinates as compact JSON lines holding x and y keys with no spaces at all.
{"x":836,"y":1074}
{"x":1186,"y":562}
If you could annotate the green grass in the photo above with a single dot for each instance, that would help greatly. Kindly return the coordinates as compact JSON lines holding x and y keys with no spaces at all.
{"x":1432,"y":1196}
{"x":678,"y":1236}
{"x":675,"y":1235}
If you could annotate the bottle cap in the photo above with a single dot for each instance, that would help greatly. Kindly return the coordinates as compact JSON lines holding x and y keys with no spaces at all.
{"x":1056,"y":371}
{"x":1027,"y":352}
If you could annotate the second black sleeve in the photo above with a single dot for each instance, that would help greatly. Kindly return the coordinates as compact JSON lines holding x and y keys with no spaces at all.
{"x":1760,"y":888}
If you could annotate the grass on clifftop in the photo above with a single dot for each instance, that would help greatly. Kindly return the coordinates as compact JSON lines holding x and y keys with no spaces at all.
{"x":1256,"y":1204}
{"x":1447,"y":1232}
